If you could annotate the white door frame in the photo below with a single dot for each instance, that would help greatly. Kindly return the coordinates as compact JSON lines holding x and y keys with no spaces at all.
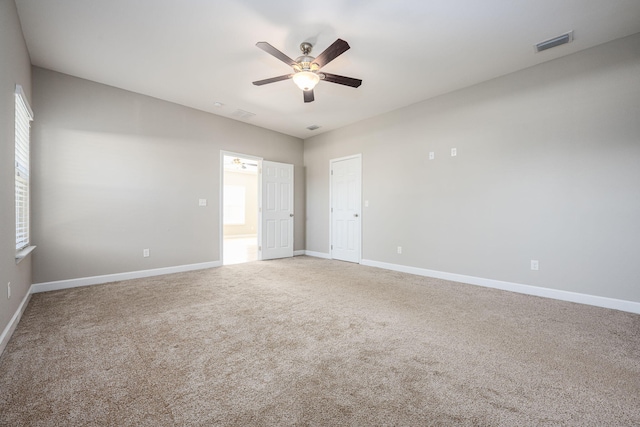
{"x":354,"y":156}
{"x":221,"y":201}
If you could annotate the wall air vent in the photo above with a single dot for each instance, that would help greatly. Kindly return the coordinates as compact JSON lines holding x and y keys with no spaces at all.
{"x":313,"y":127}
{"x":556,"y":41}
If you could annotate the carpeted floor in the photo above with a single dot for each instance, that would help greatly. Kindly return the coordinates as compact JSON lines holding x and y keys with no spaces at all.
{"x":305,"y":341}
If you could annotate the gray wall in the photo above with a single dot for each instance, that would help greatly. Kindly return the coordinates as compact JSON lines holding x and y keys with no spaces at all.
{"x":15,"y":69}
{"x":116,"y":172}
{"x":548,"y":168}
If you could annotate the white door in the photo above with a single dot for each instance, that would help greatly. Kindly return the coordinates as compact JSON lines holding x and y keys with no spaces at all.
{"x":277,"y":210}
{"x":345,"y":208}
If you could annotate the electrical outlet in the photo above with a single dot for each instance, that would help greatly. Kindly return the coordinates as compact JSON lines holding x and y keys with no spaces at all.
{"x":399,"y":249}
{"x":202,"y":202}
{"x":534,"y":264}
{"x":145,"y":253}
{"x":9,"y":290}
{"x":454,"y":152}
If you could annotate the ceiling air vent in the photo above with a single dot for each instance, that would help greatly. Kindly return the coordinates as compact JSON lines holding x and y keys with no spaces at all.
{"x":313,"y":127}
{"x":556,"y":41}
{"x":241,"y":114}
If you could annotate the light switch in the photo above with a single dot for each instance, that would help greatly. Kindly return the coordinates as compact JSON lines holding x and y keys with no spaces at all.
{"x":432,"y":155}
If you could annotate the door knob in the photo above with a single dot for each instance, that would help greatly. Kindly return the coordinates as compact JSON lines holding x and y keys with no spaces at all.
{"x":356,"y":215}
{"x":291,"y":215}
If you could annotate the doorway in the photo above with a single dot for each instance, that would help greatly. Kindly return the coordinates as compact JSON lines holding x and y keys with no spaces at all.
{"x":240,"y":202}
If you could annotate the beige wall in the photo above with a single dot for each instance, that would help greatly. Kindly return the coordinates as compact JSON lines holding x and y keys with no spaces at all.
{"x":117,"y":172}
{"x":15,"y":69}
{"x":250,"y":183}
{"x":548,"y":168}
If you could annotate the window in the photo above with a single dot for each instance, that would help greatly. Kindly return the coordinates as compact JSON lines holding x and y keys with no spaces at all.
{"x":234,"y":205}
{"x":24,"y":116}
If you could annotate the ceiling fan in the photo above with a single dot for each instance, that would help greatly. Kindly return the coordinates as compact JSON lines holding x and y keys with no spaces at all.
{"x":306,"y":69}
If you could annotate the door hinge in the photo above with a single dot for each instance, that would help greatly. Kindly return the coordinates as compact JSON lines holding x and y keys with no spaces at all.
{"x":331,"y":247}
{"x":331,"y":209}
{"x":331,"y":171}
{"x":260,"y":248}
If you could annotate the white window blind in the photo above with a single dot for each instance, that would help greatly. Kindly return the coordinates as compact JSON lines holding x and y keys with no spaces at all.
{"x":24,"y":116}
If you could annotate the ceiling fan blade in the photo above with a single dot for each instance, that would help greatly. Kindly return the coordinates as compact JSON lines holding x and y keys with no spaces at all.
{"x":308,"y":95}
{"x":275,"y":52}
{"x":332,"y":52}
{"x":272,"y":80}
{"x":342,"y":80}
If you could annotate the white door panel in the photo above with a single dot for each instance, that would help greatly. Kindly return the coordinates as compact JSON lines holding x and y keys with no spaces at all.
{"x":277,"y":210}
{"x":345,"y":209}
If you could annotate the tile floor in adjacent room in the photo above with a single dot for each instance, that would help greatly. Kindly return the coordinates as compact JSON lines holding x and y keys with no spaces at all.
{"x":237,"y":250}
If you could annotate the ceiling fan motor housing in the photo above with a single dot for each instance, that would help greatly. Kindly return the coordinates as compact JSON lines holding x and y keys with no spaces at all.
{"x":305,"y":63}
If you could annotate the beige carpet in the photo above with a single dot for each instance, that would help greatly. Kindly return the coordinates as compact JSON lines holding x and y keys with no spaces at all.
{"x":305,"y":341}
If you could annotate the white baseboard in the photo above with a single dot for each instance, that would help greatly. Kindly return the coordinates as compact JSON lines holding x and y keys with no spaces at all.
{"x":13,"y":323}
{"x":616,"y":304}
{"x":318,"y":254}
{"x":96,"y":280}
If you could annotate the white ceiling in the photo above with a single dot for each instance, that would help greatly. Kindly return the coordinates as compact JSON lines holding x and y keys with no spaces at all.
{"x":199,"y":52}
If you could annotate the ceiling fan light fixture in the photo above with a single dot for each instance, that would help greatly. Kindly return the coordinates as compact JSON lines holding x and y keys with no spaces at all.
{"x":306,"y":69}
{"x":306,"y":80}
